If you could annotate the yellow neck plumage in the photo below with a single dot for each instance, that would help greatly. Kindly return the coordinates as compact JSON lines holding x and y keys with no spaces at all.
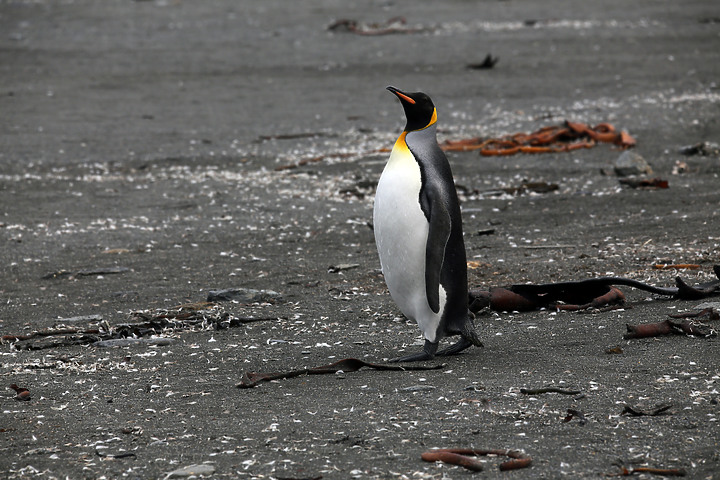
{"x":433,"y":119}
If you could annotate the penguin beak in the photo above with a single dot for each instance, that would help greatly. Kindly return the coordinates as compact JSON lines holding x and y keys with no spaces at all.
{"x":401,"y":95}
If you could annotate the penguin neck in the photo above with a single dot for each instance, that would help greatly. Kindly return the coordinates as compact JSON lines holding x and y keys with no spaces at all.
{"x":420,"y":139}
{"x":418,"y":120}
{"x":431,"y":129}
{"x":424,"y":136}
{"x":428,"y":131}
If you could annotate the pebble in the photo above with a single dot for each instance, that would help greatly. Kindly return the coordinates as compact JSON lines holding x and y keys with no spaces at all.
{"x":126,"y":342}
{"x":419,"y":388}
{"x":342,"y":267}
{"x":24,"y":396}
{"x":243,"y":295}
{"x":702,"y":148}
{"x":631,"y":163}
{"x":714,"y":305}
{"x":191,"y":470}
{"x":79,"y":319}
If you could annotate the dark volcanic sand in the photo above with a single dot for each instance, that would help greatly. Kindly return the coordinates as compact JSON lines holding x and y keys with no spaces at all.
{"x":145,"y":135}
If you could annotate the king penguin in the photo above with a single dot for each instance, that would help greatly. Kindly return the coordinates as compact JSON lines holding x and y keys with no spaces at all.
{"x":418,"y":232}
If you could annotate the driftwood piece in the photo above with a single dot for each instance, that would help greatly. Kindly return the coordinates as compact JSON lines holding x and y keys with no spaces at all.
{"x":667,"y":327}
{"x":464,"y":457}
{"x":640,"y":412}
{"x":142,"y":324}
{"x":665,"y":472}
{"x":540,"y":391}
{"x":251,"y":379}
{"x":579,"y":295}
{"x":552,"y":139}
{"x":394,"y":25}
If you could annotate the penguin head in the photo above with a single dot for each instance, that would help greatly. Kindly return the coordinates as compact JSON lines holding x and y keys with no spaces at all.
{"x":419,"y":109}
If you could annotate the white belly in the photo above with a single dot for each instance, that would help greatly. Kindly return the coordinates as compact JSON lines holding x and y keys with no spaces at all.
{"x":401,"y":232}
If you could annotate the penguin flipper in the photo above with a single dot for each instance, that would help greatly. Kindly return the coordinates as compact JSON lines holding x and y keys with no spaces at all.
{"x":438,"y":235}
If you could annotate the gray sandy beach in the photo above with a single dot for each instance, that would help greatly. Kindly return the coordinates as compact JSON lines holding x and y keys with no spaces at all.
{"x":155,"y":152}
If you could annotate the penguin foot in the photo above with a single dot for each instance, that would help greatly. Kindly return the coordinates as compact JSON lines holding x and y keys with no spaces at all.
{"x":468,"y":332}
{"x":428,"y":353}
{"x":456,"y":347}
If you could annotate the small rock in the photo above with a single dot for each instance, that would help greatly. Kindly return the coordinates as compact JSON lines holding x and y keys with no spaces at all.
{"x":340,"y":374}
{"x":244,"y":295}
{"x":342,"y":267}
{"x":126,"y":342}
{"x":680,"y":167}
{"x":79,"y":319}
{"x":630,"y":163}
{"x":101,"y":271}
{"x":25,"y":396}
{"x":418,"y":388}
{"x":85,"y":272}
{"x":703,"y":148}
{"x":42,"y":451}
{"x":714,"y":305}
{"x":192,"y":470}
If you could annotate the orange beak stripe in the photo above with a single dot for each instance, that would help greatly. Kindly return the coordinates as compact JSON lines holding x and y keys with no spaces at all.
{"x":404,"y":97}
